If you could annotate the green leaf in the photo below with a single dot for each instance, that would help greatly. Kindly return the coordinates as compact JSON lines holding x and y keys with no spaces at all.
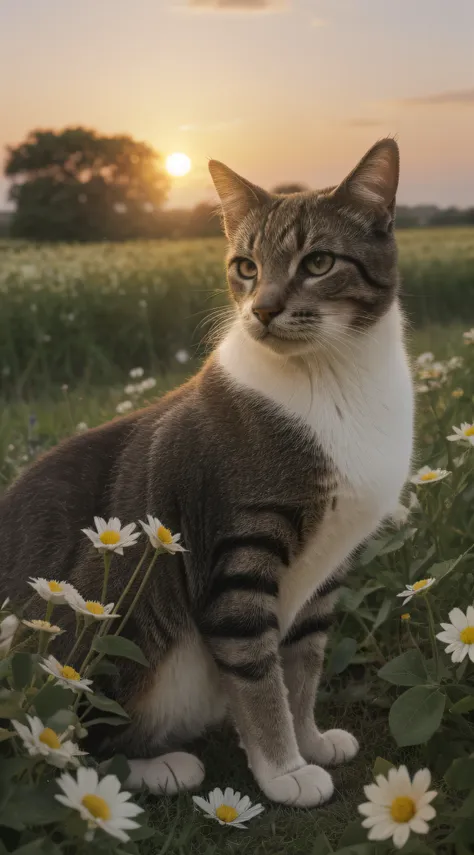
{"x":22,"y":670}
{"x":101,"y":702}
{"x":33,"y":805}
{"x":464,"y":706}
{"x":10,"y":703}
{"x":52,"y":698}
{"x":341,"y":656}
{"x":398,"y":540}
{"x":409,"y":669}
{"x":61,"y":720}
{"x":381,"y":767}
{"x":321,"y":846}
{"x":33,"y":848}
{"x":6,"y":734}
{"x":105,"y":667}
{"x":5,"y":667}
{"x":416,"y":715}
{"x":440,"y":569}
{"x":382,"y":614}
{"x":353,"y":834}
{"x":460,"y":774}
{"x":115,"y":721}
{"x":373,"y":549}
{"x":146,"y":831}
{"x":115,"y":645}
{"x":118,"y":766}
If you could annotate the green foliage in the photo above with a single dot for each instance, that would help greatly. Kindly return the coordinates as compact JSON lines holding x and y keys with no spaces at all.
{"x":78,"y":185}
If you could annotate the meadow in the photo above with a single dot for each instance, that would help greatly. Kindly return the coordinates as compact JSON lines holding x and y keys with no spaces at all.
{"x":75,"y":322}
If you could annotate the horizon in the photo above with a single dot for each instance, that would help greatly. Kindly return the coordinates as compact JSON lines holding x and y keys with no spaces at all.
{"x":239,"y":80}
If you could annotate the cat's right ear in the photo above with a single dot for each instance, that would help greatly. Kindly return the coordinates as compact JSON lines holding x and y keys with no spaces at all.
{"x":238,"y":196}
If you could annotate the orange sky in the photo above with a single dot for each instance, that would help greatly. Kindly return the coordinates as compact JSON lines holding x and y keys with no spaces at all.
{"x":293,"y":90}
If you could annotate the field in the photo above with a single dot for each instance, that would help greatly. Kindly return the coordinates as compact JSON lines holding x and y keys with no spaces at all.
{"x":75,"y":320}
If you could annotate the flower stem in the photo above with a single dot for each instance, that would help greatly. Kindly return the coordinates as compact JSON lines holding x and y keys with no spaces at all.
{"x":432,"y":630}
{"x":49,"y":610}
{"x":78,"y":641}
{"x":107,"y":562}
{"x":132,"y":579}
{"x":139,"y":592}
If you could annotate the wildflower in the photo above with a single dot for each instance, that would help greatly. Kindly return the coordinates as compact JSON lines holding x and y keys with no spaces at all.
{"x":41,"y":741}
{"x":65,"y":675}
{"x":397,"y":805}
{"x":132,"y":389}
{"x":110,"y":536}
{"x":426,"y":475}
{"x":182,"y":356}
{"x":8,"y":627}
{"x":120,"y":208}
{"x":146,"y":384}
{"x":459,"y":634}
{"x":64,"y":387}
{"x":161,"y":537}
{"x":405,"y":616}
{"x":418,"y":587}
{"x":81,"y":427}
{"x":228,"y":808}
{"x":425,"y":359}
{"x":100,"y":803}
{"x":50,"y":589}
{"x":463,"y":434}
{"x":457,"y":393}
{"x":43,"y":626}
{"x":469,"y":336}
{"x":143,"y":304}
{"x":136,"y":373}
{"x":123,"y":407}
{"x":421,"y":388}
{"x":454,"y":363}
{"x":91,"y":608}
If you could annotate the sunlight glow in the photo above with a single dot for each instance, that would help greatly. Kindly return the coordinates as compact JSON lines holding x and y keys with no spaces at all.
{"x":178,"y":164}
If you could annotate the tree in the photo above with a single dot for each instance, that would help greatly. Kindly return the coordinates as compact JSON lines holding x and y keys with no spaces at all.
{"x":285,"y":189}
{"x":77,"y":185}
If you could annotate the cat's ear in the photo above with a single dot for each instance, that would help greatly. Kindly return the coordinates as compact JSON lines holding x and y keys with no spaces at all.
{"x":374,"y":180}
{"x":238,"y":196}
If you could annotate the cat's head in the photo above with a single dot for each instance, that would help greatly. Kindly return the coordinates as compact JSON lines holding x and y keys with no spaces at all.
{"x":309,"y":268}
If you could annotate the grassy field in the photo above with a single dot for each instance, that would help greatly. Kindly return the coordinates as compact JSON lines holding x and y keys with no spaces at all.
{"x":93,"y":311}
{"x":104,"y":285}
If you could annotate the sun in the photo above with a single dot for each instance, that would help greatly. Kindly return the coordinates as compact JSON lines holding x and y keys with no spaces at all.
{"x":178,"y":164}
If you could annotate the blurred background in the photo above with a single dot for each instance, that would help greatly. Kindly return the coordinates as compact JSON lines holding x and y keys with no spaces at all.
{"x":111,"y":254}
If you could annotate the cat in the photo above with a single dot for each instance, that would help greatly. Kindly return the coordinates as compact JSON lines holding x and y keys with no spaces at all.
{"x":276,"y":462}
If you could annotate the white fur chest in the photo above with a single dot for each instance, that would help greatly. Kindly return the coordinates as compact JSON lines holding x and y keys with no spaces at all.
{"x":359,"y":404}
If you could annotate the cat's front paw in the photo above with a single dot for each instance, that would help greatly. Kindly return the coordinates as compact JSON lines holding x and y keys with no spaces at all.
{"x":308,"y":786}
{"x":331,"y":748}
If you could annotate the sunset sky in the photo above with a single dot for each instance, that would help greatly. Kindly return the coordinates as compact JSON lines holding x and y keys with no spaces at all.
{"x":280,"y":91}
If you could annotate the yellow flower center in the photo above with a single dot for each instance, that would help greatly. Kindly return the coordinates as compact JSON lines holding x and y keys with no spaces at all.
{"x":55,"y":587}
{"x":94,"y":608}
{"x":428,"y":476}
{"x":421,"y":584}
{"x":467,"y":635}
{"x":69,"y":673}
{"x":109,"y":537}
{"x":50,"y":738}
{"x":165,"y":536}
{"x":96,"y":806}
{"x":469,"y":431}
{"x":457,"y":393}
{"x":226,"y":813}
{"x":402,"y":809}
{"x":406,"y":615}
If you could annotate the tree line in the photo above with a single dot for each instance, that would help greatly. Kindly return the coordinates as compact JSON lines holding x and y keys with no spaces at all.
{"x":78,"y":185}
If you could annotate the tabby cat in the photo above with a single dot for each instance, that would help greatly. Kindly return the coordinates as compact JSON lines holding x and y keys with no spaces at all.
{"x":275,"y":462}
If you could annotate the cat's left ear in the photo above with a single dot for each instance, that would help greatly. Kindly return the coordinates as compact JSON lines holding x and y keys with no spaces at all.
{"x":374,"y":181}
{"x":238,"y":196}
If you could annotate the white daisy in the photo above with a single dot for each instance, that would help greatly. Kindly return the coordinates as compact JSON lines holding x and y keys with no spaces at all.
{"x":398,"y":806}
{"x":146,"y":384}
{"x":43,"y":626}
{"x":459,"y":634}
{"x":65,"y":675}
{"x":51,"y":590}
{"x":463,"y":434}
{"x":454,"y":363}
{"x":469,"y":336}
{"x":100,"y":803}
{"x":425,"y":359}
{"x":161,"y":537}
{"x":123,"y":407}
{"x":110,"y":536}
{"x":417,"y":588}
{"x":91,"y":608}
{"x":8,"y":627}
{"x":136,"y":373}
{"x":228,"y":808}
{"x":81,"y":427}
{"x":45,"y":742}
{"x":426,"y":475}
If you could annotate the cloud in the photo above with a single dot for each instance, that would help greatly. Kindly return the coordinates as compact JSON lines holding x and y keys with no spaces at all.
{"x":236,"y":5}
{"x":463,"y":97}
{"x":362,"y":122}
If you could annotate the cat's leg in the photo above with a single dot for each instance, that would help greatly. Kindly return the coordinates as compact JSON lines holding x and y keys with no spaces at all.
{"x":241,"y":629}
{"x":302,"y":652}
{"x":167,"y":774}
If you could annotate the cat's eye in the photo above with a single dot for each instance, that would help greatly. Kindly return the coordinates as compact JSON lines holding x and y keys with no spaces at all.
{"x":318,"y":263}
{"x":246,"y":268}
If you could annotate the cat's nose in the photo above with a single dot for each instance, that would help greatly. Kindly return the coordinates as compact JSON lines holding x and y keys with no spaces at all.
{"x":265,"y":314}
